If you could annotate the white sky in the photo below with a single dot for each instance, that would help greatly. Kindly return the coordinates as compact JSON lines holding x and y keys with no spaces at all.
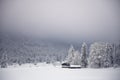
{"x":65,"y":19}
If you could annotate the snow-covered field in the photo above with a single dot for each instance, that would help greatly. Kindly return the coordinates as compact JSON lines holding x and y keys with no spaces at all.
{"x":50,"y":72}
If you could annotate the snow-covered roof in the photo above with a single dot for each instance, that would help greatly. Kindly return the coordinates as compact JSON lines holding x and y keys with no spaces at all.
{"x":75,"y":65}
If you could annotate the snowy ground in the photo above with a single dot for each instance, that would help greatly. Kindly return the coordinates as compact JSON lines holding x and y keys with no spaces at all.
{"x":50,"y":72}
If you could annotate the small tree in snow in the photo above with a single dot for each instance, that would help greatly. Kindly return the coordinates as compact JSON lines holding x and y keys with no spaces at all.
{"x":84,"y":55}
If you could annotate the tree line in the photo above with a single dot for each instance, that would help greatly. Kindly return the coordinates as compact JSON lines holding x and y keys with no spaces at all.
{"x":99,"y":55}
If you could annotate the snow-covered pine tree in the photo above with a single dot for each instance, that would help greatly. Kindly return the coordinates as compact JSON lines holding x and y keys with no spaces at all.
{"x":4,"y":60}
{"x":84,"y":55}
{"x":70,"y":56}
{"x":95,"y":56}
{"x":100,"y":55}
{"x":117,"y":54}
{"x":109,"y":55}
{"x":76,"y":58}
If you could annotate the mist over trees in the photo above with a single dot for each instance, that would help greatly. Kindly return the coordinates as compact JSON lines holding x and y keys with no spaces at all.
{"x":20,"y":50}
